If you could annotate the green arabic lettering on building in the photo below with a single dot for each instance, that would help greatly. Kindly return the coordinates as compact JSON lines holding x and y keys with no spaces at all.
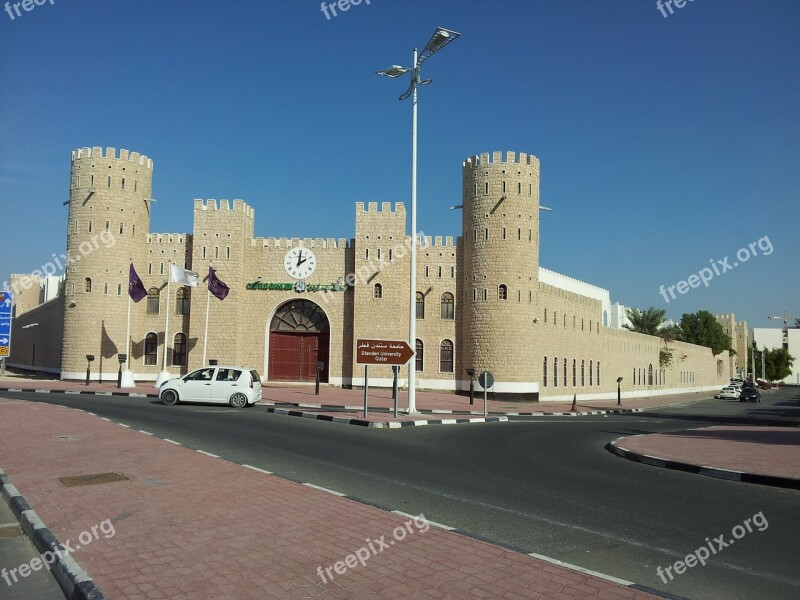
{"x":286,"y":287}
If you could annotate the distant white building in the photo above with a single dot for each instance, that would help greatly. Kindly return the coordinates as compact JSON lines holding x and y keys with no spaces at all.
{"x":615,"y":315}
{"x":772,"y":339}
{"x":50,"y":287}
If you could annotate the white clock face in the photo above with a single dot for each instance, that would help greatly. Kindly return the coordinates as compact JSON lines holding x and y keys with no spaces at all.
{"x":300,"y":263}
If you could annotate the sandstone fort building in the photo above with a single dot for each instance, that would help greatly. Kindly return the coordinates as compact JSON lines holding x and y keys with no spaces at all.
{"x":483,"y":301}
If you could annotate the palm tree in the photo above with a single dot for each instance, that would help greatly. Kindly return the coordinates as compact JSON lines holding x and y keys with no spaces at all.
{"x":647,"y":321}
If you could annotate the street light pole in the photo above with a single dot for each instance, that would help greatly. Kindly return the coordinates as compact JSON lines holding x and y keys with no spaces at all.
{"x":412,"y":313}
{"x":441,"y":37}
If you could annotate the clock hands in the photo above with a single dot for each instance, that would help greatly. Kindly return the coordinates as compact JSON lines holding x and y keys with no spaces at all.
{"x":300,"y":259}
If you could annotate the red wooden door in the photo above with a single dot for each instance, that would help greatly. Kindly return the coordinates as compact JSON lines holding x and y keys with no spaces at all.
{"x":284,"y":356}
{"x":294,"y":356}
{"x":299,"y":338}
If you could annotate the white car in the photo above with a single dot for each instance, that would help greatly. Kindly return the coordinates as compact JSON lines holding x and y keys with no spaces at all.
{"x":729,"y":392}
{"x":237,"y":386}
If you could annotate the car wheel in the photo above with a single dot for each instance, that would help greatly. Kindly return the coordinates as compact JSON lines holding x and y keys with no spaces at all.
{"x":238,"y":400}
{"x":170,"y":397}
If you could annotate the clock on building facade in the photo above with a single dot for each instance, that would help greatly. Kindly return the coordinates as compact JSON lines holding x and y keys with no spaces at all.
{"x":300,"y":263}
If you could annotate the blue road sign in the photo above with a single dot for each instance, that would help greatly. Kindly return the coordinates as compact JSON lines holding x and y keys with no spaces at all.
{"x":6,"y":302}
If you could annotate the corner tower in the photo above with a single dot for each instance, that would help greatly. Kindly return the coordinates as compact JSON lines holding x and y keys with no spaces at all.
{"x":500,"y":251}
{"x":109,"y":219}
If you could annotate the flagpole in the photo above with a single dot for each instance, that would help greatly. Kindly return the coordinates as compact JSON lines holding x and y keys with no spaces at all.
{"x":166,"y":324}
{"x":126,"y":377}
{"x":128,"y":338}
{"x":164,"y":375}
{"x":205,"y":334}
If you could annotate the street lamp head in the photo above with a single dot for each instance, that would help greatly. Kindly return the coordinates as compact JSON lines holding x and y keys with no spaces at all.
{"x":394,"y":71}
{"x":440,"y":38}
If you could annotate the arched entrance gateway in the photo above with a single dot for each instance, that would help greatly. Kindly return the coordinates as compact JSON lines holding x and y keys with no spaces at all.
{"x":299,"y":337}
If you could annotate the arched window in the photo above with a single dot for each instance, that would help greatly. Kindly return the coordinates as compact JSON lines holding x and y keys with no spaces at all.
{"x":182,"y":302}
{"x":573,"y":321}
{"x":555,"y":317}
{"x":545,"y":315}
{"x":565,"y":373}
{"x":420,"y":305}
{"x":634,"y":375}
{"x":605,"y":318}
{"x":448,"y":306}
{"x":179,"y":350}
{"x":598,"y":372}
{"x":565,"y":319}
{"x":419,"y":358}
{"x":582,"y":327}
{"x":446,"y":356}
{"x":583,"y":372}
{"x":88,"y":282}
{"x":555,"y":372}
{"x":153,"y":298}
{"x":377,"y":291}
{"x":574,"y":372}
{"x":544,"y":368}
{"x":502,"y":292}
{"x":590,"y":374}
{"x":151,"y":349}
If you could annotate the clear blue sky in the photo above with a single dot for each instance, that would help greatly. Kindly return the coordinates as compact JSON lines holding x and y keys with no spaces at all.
{"x":664,"y":142}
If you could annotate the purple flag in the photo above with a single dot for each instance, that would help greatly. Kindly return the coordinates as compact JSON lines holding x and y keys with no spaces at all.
{"x":135,"y":286}
{"x":216,"y":286}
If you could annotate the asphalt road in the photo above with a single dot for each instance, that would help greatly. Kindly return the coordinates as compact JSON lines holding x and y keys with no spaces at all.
{"x":543,"y":485}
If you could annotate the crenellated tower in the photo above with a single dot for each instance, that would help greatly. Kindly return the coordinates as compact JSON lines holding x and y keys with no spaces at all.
{"x":499,"y":277}
{"x":109,"y":221}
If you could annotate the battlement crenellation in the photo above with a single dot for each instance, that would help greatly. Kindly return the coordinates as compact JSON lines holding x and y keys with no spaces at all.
{"x":239,"y":206}
{"x":386,"y":208}
{"x":495,"y":158}
{"x":96,"y":152}
{"x":286,"y":243}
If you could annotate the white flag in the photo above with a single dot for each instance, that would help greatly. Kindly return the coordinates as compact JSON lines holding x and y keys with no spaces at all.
{"x":184,"y":276}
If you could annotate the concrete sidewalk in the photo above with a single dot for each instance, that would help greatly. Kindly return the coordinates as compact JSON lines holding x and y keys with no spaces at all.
{"x":188,"y":525}
{"x":752,"y":454}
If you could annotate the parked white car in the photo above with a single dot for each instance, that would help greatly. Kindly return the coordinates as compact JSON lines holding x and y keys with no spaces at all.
{"x":729,"y":392}
{"x":237,"y":386}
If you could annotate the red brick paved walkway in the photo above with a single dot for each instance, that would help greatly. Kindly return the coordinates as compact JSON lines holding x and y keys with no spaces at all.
{"x":189,"y":526}
{"x":763,"y":450}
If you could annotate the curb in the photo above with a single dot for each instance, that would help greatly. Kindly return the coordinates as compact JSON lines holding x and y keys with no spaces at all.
{"x":73,"y":580}
{"x":79,"y":392}
{"x":436,"y":411}
{"x":379,"y":424}
{"x":717,"y":473}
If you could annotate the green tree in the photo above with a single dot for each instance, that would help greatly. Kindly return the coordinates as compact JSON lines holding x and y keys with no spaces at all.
{"x":646,"y":321}
{"x":670,"y":332}
{"x":778,"y":364}
{"x":702,"y":329}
